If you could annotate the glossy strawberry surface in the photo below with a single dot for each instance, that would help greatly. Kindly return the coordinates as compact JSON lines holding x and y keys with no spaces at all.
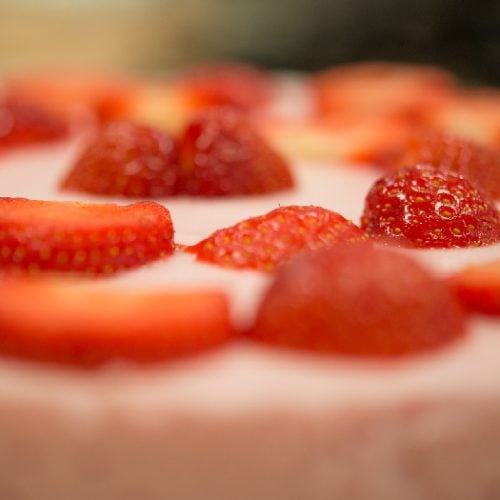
{"x":425,"y":206}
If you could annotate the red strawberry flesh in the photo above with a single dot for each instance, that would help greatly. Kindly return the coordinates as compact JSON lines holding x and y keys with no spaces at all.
{"x":65,"y":322}
{"x":78,"y":237}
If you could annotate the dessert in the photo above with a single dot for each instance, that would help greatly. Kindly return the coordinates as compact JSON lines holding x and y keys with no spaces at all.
{"x":242,"y":420}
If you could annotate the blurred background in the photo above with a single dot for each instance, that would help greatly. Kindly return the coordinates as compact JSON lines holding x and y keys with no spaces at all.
{"x":158,"y":35}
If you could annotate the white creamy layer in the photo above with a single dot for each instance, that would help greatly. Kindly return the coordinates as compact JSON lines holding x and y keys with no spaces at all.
{"x":244,"y":421}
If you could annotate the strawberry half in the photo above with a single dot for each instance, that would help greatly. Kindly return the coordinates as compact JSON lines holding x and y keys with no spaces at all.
{"x":424,"y":206}
{"x":21,"y":123}
{"x":445,"y":150}
{"x":69,"y":322}
{"x":223,"y":155}
{"x":267,"y":241}
{"x":78,"y":237}
{"x":126,"y":159}
{"x":478,"y":287}
{"x":236,"y":85}
{"x":357,"y":300}
{"x":382,"y":89}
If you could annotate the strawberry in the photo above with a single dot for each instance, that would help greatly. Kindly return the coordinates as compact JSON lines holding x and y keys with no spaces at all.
{"x":382,"y":89}
{"x":71,"y":95}
{"x":78,"y":237}
{"x":424,"y":206}
{"x":21,"y":123}
{"x":344,"y":137}
{"x":223,"y":155}
{"x":357,"y":300}
{"x":69,"y":322}
{"x":446,"y":150}
{"x":226,"y":84}
{"x":156,"y":104}
{"x":128,"y":160}
{"x":267,"y":241}
{"x":472,"y":114}
{"x":478,"y":287}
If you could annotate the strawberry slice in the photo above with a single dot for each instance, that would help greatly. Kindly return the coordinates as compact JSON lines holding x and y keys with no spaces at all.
{"x":446,"y":150}
{"x":236,"y":85}
{"x":382,"y":89}
{"x":344,"y":137}
{"x":128,"y":160}
{"x":424,"y":206}
{"x":267,"y":241}
{"x":223,"y":155}
{"x":72,"y":95}
{"x":69,"y":322}
{"x":357,"y":300}
{"x":156,"y":104}
{"x":78,"y":237}
{"x":21,"y":124}
{"x":473,"y":114}
{"x":478,"y":287}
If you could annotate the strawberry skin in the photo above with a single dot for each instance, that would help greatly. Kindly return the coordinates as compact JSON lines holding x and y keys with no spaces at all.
{"x":21,"y":123}
{"x":128,"y":160}
{"x":223,"y":155}
{"x":423,"y":206}
{"x":451,"y":152}
{"x":264,"y":242}
{"x":68,"y":322}
{"x":357,"y":300}
{"x":78,"y":237}
{"x":226,"y":84}
{"x":478,"y":287}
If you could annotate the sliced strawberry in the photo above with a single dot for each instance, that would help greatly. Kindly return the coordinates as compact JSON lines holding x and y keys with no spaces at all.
{"x":21,"y":124}
{"x":226,"y":84}
{"x":473,"y":114}
{"x":344,"y":138}
{"x":382,"y":89}
{"x":445,"y":150}
{"x":267,"y":241}
{"x":156,"y":104}
{"x":68,"y":322}
{"x":424,"y":206}
{"x":128,"y":160}
{"x":223,"y":155}
{"x":78,"y":237}
{"x":478,"y":287}
{"x":69,"y":94}
{"x":357,"y":300}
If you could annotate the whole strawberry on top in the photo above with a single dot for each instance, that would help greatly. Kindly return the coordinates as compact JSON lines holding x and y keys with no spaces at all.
{"x":425,"y":206}
{"x":357,"y":300}
{"x":126,"y":159}
{"x":271,"y":239}
{"x":222,"y":154}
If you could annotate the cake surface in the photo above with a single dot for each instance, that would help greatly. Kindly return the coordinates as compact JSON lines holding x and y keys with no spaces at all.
{"x":245,"y":421}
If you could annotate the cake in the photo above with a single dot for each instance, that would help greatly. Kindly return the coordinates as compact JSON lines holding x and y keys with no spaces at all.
{"x":247,"y":420}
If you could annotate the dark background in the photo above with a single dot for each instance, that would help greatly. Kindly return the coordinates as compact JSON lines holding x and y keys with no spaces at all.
{"x":157,"y":35}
